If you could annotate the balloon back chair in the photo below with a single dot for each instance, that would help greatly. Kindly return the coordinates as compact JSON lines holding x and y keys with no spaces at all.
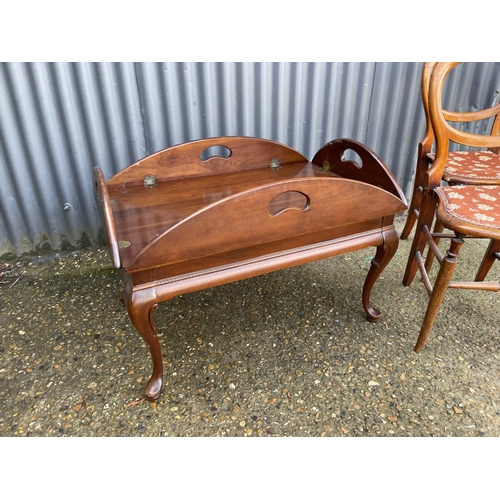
{"x":463,"y":167}
{"x":464,"y":211}
{"x":463,"y":171}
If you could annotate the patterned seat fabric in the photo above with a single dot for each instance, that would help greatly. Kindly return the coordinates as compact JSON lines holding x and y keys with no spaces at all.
{"x":475,"y":165}
{"x":478,"y":205}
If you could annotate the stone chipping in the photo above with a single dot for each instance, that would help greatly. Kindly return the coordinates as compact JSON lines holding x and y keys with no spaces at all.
{"x":284,"y":354}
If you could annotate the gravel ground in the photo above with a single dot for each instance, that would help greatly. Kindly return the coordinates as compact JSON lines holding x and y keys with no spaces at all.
{"x":285,"y":354}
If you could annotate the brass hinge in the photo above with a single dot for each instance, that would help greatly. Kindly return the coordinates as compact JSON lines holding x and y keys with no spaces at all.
{"x":275,"y":163}
{"x":150,"y":181}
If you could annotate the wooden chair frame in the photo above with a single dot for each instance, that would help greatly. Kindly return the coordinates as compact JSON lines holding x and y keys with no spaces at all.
{"x":433,"y":204}
{"x":425,"y":159}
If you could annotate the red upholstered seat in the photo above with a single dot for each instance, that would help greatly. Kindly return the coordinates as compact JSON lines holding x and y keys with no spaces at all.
{"x":475,"y":205}
{"x":471,"y":167}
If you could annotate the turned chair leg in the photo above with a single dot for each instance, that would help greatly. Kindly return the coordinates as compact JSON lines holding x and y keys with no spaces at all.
{"x":411,"y":218}
{"x":418,"y":247}
{"x":141,"y":305}
{"x":382,"y":257}
{"x":419,"y":243}
{"x":490,"y":256}
{"x":417,"y":196}
{"x":438,"y":228}
{"x":443,"y":278}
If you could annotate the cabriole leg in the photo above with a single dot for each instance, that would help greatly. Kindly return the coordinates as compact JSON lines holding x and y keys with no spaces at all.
{"x":384,"y":254}
{"x":141,"y":305}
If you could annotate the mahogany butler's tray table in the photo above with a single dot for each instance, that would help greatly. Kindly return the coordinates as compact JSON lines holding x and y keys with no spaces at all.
{"x":219,"y":210}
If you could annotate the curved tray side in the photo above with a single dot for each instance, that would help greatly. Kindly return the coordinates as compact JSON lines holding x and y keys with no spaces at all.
{"x":373,"y":170}
{"x":248,"y":218}
{"x":183,"y":161}
{"x":106,"y":215}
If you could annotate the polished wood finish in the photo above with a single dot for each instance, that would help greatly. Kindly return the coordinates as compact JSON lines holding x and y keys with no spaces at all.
{"x":178,"y":222}
{"x":457,"y":209}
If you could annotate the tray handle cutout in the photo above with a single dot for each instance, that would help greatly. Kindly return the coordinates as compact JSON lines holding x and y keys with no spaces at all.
{"x":218,"y":151}
{"x":351,"y":155}
{"x":291,"y":200}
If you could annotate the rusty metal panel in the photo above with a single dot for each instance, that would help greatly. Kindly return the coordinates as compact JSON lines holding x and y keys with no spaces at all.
{"x":59,"y":120}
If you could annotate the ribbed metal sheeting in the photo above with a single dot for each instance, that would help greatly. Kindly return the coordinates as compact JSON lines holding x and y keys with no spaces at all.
{"x":59,"y":120}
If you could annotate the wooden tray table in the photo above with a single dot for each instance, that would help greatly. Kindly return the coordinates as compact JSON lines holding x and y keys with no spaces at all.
{"x":218,"y":210}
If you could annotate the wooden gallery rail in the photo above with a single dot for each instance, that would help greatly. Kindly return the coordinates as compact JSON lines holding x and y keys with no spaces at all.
{"x":218,"y":210}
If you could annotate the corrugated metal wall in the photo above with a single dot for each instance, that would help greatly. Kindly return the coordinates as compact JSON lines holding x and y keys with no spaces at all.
{"x":59,"y":120}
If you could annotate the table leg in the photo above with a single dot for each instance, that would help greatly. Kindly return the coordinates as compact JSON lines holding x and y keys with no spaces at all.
{"x":384,"y":254}
{"x":141,"y":305}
